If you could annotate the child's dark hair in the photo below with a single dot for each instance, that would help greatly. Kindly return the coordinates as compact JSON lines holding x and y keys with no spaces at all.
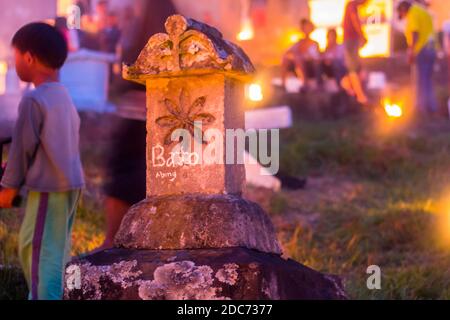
{"x":44,"y":42}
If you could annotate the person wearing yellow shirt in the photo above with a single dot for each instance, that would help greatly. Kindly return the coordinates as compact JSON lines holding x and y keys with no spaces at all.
{"x":421,"y":38}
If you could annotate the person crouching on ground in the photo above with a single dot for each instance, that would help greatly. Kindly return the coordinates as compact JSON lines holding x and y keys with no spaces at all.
{"x":44,"y":158}
{"x":333,"y":64}
{"x":303,"y":59}
{"x":422,"y":55}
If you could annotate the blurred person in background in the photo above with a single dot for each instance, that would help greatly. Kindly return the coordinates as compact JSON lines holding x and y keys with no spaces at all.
{"x":303,"y":59}
{"x":93,"y":23}
{"x":87,"y":39}
{"x":446,"y":34}
{"x":71,"y":35}
{"x":354,"y":40}
{"x":84,"y":6}
{"x":422,"y":53}
{"x":130,"y":23}
{"x":125,"y":178}
{"x":333,"y":64}
{"x":109,"y":36}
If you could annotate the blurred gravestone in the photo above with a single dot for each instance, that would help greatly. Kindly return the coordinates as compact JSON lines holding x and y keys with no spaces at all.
{"x":194,"y":237}
{"x":86,"y":75}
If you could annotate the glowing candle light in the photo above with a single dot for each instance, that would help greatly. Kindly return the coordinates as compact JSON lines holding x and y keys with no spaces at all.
{"x":393,"y":110}
{"x":247,"y":32}
{"x":255,"y":93}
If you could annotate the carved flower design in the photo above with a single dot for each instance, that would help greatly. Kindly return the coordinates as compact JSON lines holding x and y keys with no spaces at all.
{"x":184,"y":115}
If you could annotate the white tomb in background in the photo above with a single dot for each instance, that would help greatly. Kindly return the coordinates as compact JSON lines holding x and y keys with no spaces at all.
{"x":86,"y":75}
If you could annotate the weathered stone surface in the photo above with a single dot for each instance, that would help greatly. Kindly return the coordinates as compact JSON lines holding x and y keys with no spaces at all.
{"x":191,"y":47}
{"x":197,"y":221}
{"x":177,"y":103}
{"x":219,"y":274}
{"x":197,"y":238}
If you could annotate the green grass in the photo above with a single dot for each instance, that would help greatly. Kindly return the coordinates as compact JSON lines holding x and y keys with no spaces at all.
{"x":395,"y":217}
{"x":278,"y":204}
{"x":13,"y":285}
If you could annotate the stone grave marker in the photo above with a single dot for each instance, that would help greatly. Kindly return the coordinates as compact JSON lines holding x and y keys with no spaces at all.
{"x":194,"y":237}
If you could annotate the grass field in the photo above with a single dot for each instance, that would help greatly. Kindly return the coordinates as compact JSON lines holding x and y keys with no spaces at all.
{"x":378,"y":194}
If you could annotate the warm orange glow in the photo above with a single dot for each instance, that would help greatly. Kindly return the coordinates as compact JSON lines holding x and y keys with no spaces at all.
{"x":62,"y":6}
{"x":3,"y":71}
{"x":326,"y":13}
{"x":377,"y":11}
{"x":377,"y":15}
{"x":379,"y":43}
{"x":442,"y":211}
{"x":393,"y":110}
{"x":294,"y":37}
{"x":446,"y":226}
{"x":320,"y":36}
{"x":255,"y":92}
{"x":247,"y":32}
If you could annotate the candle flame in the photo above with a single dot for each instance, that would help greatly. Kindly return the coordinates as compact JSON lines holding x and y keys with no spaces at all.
{"x":255,"y":92}
{"x":294,"y":37}
{"x":393,"y":110}
{"x":247,"y":32}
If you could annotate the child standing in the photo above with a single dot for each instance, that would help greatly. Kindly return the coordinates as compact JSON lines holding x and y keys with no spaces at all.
{"x":44,"y":158}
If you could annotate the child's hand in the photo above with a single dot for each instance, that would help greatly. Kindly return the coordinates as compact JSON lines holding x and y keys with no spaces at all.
{"x":7,"y":197}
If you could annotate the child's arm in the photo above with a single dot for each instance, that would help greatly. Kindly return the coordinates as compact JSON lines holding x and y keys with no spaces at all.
{"x":24,"y":144}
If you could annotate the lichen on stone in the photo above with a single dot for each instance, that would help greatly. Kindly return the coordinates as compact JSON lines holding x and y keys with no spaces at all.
{"x":180,"y":281}
{"x":188,"y":45}
{"x":120,"y":273}
{"x":228,"y":274}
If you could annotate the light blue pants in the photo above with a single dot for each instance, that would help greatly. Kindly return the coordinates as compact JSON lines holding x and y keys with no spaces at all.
{"x":44,"y":241}
{"x":425,"y":96}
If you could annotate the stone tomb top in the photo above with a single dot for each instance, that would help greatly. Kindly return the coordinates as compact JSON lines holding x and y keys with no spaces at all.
{"x":188,"y":48}
{"x":195,"y":82}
